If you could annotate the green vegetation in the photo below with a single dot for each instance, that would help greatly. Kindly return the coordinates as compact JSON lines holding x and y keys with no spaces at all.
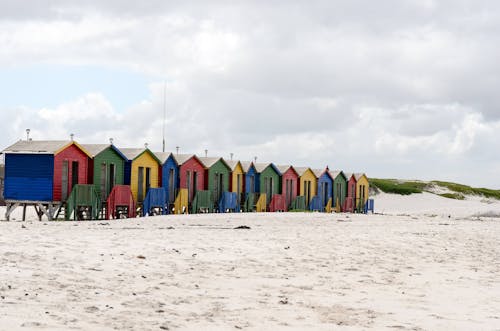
{"x":464,"y":189}
{"x":458,"y":191}
{"x":456,"y":196}
{"x":397,"y":186}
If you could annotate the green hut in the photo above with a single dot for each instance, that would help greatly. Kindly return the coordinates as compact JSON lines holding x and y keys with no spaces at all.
{"x":339,"y":188}
{"x":270,"y":180}
{"x":106,"y":169}
{"x":217,"y":173}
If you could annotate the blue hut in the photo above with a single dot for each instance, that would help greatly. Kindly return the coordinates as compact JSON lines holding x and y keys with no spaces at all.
{"x":169,"y":176}
{"x":252,"y":184}
{"x":325,"y":189}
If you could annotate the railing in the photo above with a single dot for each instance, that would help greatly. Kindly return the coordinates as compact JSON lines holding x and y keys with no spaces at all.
{"x":155,"y":202}
{"x":228,"y":202}
{"x":277,"y":203}
{"x":120,"y":203}
{"x":83,"y":203}
{"x":299,"y":203}
{"x":202,"y":202}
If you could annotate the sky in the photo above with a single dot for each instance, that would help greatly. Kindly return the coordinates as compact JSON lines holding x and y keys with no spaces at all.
{"x":396,"y":89}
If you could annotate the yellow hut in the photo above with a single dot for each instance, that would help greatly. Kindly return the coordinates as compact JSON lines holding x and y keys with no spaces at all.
{"x":362,"y":187}
{"x":237,"y":178}
{"x":308,"y":183}
{"x":142,"y":171}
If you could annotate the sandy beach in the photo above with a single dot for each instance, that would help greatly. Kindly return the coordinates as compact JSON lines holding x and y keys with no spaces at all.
{"x":293,"y":271}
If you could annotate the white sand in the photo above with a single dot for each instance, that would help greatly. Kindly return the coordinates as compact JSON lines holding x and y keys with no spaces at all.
{"x":288,"y":272}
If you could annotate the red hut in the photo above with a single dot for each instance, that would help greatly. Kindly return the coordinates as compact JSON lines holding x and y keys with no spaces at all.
{"x":350,"y":201}
{"x":290,"y":184}
{"x":191,"y":174}
{"x":71,"y":167}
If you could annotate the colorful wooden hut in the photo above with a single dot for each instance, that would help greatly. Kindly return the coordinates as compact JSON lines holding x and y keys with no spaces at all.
{"x":191,"y":179}
{"x":237,"y":180}
{"x":217,"y":173}
{"x":308,"y":184}
{"x":169,"y":175}
{"x":289,"y":184}
{"x":339,"y":189}
{"x":140,"y":171}
{"x":362,"y":188}
{"x":42,"y":174}
{"x":270,"y":182}
{"x":325,"y":190}
{"x":350,"y":201}
{"x":252,"y":186}
{"x":106,"y":167}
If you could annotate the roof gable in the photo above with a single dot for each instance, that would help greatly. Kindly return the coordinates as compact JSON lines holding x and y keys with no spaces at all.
{"x":96,"y":149}
{"x":133,"y":153}
{"x":43,"y":147}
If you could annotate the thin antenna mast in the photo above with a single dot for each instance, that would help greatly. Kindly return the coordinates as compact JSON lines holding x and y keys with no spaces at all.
{"x":164,"y":111}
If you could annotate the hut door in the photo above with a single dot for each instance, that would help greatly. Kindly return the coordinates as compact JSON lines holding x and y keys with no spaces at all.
{"x":171,"y":188}
{"x":148,"y":179}
{"x":221,"y":186}
{"x":74,"y":174}
{"x":188,"y":185}
{"x":324,"y":193}
{"x":252,"y":184}
{"x":195,"y":182}
{"x":64,"y":180}
{"x":104,"y":189}
{"x":140,"y":184}
{"x":307,"y":191}
{"x":112,"y":178}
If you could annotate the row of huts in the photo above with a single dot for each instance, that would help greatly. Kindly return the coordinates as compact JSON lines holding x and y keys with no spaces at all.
{"x":96,"y":180}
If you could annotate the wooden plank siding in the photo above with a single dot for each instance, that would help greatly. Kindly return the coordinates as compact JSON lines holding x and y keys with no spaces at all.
{"x":108,"y":161}
{"x":192,"y":176}
{"x":216,"y":176}
{"x":149,"y":163}
{"x":308,"y":185}
{"x":289,"y":185}
{"x":270,"y":182}
{"x":75,"y":158}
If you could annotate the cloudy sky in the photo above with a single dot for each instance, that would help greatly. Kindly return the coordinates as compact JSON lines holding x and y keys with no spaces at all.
{"x":400,"y":89}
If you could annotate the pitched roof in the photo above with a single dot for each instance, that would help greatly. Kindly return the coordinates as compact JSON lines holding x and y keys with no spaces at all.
{"x":133,"y":153}
{"x":359,"y":175}
{"x":233,"y":164}
{"x":183,"y":158}
{"x":37,"y":146}
{"x":348,"y":175}
{"x":261,"y":166}
{"x":301,"y":170}
{"x":162,"y":156}
{"x":209,"y":161}
{"x":336,"y":173}
{"x":283,"y":168}
{"x":246,"y":165}
{"x":42,"y":147}
{"x":318,"y":172}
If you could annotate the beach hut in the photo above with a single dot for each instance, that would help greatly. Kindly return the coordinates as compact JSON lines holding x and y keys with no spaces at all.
{"x":350,"y":201}
{"x":362,"y":188}
{"x":169,"y":175}
{"x":325,"y":190}
{"x":308,"y":184}
{"x":191,"y":179}
{"x":42,"y":174}
{"x":252,"y":186}
{"x":339,"y":189}
{"x":217,"y":173}
{"x":106,"y":167}
{"x":140,"y":171}
{"x":270,"y":184}
{"x":237,"y":180}
{"x":289,"y":184}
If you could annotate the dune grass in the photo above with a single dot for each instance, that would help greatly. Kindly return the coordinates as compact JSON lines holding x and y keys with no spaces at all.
{"x":397,"y":186}
{"x":458,"y":191}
